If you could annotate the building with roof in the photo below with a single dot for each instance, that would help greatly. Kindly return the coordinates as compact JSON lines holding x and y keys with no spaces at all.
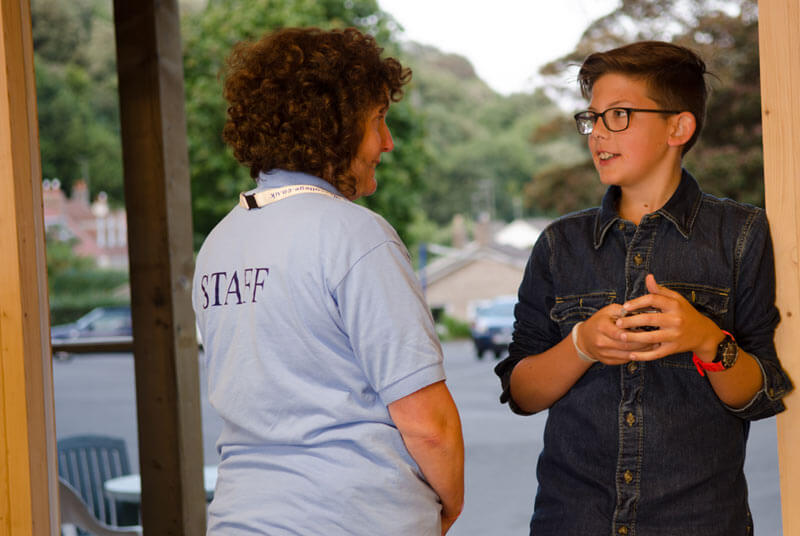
{"x":99,"y":231}
{"x":491,"y":265}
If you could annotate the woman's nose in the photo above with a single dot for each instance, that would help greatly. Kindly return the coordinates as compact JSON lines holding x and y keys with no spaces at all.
{"x":386,"y":139}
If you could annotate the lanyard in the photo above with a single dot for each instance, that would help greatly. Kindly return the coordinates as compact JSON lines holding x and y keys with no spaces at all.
{"x":265,"y":197}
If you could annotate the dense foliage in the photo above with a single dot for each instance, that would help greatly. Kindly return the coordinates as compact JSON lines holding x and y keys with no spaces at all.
{"x":76,"y":83}
{"x":460,"y":147}
{"x":481,"y":143}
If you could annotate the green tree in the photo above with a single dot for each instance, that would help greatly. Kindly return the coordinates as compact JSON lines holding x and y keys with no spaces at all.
{"x":77,"y":94}
{"x":480,"y":141}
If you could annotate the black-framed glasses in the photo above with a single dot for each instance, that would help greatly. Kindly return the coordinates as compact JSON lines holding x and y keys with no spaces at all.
{"x":615,"y":119}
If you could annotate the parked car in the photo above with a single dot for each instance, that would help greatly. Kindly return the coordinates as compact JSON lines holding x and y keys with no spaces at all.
{"x":492,"y":325}
{"x":100,"y":322}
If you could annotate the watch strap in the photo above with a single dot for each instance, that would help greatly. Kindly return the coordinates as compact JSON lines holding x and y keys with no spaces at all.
{"x":702,"y":366}
{"x":716,"y":365}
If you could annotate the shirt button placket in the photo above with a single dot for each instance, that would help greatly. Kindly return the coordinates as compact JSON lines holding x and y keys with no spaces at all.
{"x":630,"y":423}
{"x":630,"y":428}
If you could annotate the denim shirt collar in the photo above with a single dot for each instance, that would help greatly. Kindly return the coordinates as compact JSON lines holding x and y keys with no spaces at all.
{"x":681,"y":209}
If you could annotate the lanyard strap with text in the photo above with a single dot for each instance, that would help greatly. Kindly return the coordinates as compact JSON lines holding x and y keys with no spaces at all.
{"x":265,"y":197}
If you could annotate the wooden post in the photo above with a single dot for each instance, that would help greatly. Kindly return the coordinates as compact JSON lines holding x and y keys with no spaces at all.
{"x":158,"y":203}
{"x":28,"y":477}
{"x":779,"y":43}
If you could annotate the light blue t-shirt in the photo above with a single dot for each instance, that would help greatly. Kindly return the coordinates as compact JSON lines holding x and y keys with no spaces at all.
{"x":313,"y":321}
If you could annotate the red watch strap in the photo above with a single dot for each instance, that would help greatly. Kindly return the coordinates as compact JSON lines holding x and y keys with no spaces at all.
{"x":702,"y":365}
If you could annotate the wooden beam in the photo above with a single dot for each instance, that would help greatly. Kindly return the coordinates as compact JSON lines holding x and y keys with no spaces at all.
{"x":779,"y":43}
{"x":158,"y":203}
{"x":28,"y":477}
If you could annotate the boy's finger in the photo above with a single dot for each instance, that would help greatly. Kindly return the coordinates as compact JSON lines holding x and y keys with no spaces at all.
{"x":648,"y":300}
{"x":646,"y":321}
{"x":655,"y":337}
{"x":654,"y":288}
{"x":651,"y":355}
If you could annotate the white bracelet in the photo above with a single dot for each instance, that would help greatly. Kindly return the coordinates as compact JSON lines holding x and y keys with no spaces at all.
{"x":584,"y":357}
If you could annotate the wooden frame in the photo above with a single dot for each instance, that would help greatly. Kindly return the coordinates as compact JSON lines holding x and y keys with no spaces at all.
{"x":28,"y":483}
{"x":151,"y":89}
{"x":158,"y":203}
{"x":779,"y":44}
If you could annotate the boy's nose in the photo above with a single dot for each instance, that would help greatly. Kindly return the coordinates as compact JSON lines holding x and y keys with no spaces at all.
{"x":599,"y":129}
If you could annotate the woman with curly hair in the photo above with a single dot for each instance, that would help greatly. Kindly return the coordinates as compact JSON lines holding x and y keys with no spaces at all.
{"x":321,"y":353}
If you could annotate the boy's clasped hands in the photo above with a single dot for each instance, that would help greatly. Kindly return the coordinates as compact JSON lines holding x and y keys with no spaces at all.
{"x":614,"y":336}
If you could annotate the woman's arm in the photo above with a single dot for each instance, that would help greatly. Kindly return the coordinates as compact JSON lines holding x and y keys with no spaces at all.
{"x":431,"y":429}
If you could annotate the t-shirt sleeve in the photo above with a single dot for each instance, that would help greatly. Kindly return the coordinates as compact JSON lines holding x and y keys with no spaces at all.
{"x":388,"y":323}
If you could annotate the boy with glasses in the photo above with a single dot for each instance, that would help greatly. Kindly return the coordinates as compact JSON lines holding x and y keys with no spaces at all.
{"x":645,"y":326}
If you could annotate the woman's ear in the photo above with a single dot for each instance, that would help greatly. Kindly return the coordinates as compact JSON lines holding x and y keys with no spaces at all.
{"x":683,"y":127}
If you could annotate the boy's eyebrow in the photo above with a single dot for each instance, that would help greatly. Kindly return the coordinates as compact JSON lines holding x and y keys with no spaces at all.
{"x":615,"y":104}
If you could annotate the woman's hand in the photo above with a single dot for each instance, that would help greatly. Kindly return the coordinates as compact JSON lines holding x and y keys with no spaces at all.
{"x":681,"y":328}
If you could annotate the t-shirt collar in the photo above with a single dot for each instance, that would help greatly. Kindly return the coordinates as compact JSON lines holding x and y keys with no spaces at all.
{"x":278,"y":178}
{"x":681,"y":209}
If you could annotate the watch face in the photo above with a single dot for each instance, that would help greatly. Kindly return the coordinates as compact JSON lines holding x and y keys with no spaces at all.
{"x":730,"y":351}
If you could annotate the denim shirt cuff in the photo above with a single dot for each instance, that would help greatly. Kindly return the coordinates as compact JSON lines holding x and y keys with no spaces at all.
{"x":504,"y":370}
{"x":765,"y":403}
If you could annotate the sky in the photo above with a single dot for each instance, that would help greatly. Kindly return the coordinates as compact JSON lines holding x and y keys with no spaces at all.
{"x":505,"y":40}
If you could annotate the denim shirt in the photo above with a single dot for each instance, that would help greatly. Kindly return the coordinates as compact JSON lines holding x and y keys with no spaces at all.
{"x":647,"y":448}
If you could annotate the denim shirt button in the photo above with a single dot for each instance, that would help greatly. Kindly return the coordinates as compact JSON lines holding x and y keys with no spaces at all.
{"x":621,"y":226}
{"x":638,"y":260}
{"x":622,"y":530}
{"x":630,"y":419}
{"x":628,"y":476}
{"x":632,"y":366}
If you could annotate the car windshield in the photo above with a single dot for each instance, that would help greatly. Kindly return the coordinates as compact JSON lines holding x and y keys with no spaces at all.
{"x":497,"y":309}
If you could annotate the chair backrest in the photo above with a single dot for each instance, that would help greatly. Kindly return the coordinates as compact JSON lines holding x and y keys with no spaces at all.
{"x":74,"y":513}
{"x":86,"y":462}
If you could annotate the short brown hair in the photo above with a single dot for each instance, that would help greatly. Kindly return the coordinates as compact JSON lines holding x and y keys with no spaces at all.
{"x":298,"y":99}
{"x":675,"y":76}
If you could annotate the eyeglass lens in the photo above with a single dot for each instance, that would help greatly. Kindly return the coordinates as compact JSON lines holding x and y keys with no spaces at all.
{"x":615,"y":120}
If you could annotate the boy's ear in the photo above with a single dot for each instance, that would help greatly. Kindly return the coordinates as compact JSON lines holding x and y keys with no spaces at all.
{"x":683,"y":127}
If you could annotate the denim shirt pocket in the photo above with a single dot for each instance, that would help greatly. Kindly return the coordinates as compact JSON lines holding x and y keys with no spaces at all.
{"x":571,"y":309}
{"x":711,"y":302}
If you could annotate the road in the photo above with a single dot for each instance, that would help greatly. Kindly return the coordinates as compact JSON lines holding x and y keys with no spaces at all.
{"x":95,"y":394}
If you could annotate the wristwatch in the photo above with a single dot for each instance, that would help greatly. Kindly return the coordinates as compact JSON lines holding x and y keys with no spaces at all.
{"x":727,"y":352}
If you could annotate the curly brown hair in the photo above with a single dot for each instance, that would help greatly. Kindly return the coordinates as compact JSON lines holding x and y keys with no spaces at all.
{"x":298,"y":99}
{"x":675,"y":76}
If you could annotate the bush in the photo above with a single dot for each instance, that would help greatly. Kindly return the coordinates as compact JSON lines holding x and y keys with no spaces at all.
{"x":77,"y":285}
{"x":69,"y":308}
{"x":450,"y":328}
